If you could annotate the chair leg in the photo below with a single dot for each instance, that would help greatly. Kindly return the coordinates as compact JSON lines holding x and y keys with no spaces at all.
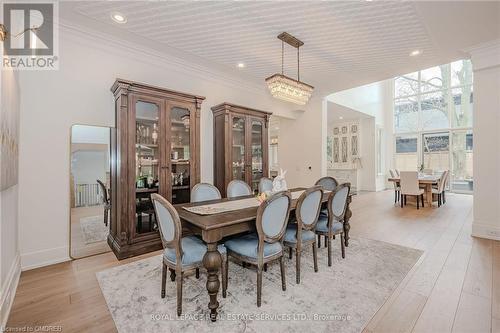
{"x":197,"y":273}
{"x":282,"y":269}
{"x":179,"y":293}
{"x":325,"y":240}
{"x":422,"y":198}
{"x":172,"y":275}
{"x":297,"y":266}
{"x":399,"y":195}
{"x":444,"y":197}
{"x":402,"y":201}
{"x":319,"y":241}
{"x":259,"y":285}
{"x":315,"y":257}
{"x":106,"y":217}
{"x":224,"y":264}
{"x":342,"y":245}
{"x":395,"y":196}
{"x":163,"y":279}
{"x":290,"y":253}
{"x":329,"y":245}
{"x":265,"y":267}
{"x":418,"y":202}
{"x":439,"y":200}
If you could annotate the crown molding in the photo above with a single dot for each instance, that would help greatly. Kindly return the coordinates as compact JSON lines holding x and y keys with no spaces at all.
{"x":120,"y":46}
{"x":485,"y":55}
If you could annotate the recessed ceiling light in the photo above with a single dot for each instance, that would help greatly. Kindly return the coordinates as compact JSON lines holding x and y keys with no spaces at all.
{"x":241,"y":65}
{"x":341,"y":117}
{"x":415,"y":53}
{"x":118,"y":17}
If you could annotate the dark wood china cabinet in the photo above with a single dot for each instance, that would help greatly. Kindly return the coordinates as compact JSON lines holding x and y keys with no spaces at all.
{"x":240,"y":145}
{"x":155,"y":149}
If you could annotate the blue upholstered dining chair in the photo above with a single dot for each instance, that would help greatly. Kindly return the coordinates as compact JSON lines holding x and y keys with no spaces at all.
{"x":265,"y":185}
{"x":180,"y":254}
{"x":265,"y":245}
{"x":328,"y":184}
{"x":301,"y":234}
{"x":204,"y":192}
{"x":238,"y":188}
{"x":334,"y":223}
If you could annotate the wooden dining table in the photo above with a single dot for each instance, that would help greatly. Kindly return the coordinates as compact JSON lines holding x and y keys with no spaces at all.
{"x":426,"y":181}
{"x":213,"y":228}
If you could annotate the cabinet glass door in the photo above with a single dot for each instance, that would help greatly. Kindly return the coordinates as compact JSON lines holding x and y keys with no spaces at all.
{"x":147,"y":159}
{"x":257,"y":155}
{"x":180,"y":138}
{"x":238,"y":164}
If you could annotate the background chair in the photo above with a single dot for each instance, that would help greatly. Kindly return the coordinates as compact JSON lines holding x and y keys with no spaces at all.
{"x":328,"y":184}
{"x":180,"y":253}
{"x":334,"y":223}
{"x":238,"y":188}
{"x":438,"y":192}
{"x":301,"y":234}
{"x":410,"y":186}
{"x":204,"y":192}
{"x":265,"y":185}
{"x":266,"y":245}
{"x":106,"y":201}
{"x":397,"y":188}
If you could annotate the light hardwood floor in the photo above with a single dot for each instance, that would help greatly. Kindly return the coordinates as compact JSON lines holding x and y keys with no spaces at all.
{"x":79,"y":248}
{"x":455,"y":286}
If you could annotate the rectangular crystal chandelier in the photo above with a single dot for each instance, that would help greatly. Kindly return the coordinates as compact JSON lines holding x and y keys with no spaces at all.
{"x":284,"y":87}
{"x":288,"y":89}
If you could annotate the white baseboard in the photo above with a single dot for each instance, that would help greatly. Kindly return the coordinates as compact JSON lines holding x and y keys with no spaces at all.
{"x":42,"y":258}
{"x":485,"y":230}
{"x":8,"y":291}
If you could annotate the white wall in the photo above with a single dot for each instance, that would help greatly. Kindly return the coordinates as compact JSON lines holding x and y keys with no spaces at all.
{"x":486,"y":66}
{"x":79,"y":93}
{"x":367,"y":174}
{"x":10,"y":268}
{"x":376,"y":100}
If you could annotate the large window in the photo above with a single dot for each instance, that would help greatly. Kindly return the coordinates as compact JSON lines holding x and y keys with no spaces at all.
{"x":433,"y":111}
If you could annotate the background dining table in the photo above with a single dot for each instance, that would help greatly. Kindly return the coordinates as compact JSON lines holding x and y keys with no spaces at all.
{"x":214,"y":227}
{"x":426,"y":181}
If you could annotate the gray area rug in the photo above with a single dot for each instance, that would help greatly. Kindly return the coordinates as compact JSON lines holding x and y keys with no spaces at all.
{"x":340,"y":298}
{"x":93,"y":229}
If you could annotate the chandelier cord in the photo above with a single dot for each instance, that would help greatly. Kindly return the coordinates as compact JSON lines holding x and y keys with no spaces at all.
{"x":298,"y":64}
{"x":282,"y":56}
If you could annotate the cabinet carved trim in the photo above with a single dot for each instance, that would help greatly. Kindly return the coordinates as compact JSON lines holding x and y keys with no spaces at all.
{"x":155,"y":149}
{"x":240,"y":145}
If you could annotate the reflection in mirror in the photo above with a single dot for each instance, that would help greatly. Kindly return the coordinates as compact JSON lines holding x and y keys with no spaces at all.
{"x":89,"y":190}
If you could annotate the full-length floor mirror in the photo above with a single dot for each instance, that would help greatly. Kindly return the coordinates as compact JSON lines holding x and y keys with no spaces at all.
{"x":89,"y":190}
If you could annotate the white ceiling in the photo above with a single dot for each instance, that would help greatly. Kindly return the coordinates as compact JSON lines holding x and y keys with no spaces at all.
{"x":339,"y":113}
{"x":346,"y":43}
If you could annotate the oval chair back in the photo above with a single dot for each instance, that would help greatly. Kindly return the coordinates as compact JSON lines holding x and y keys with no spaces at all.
{"x":204,"y":192}
{"x":104,"y":191}
{"x":265,"y":185}
{"x":337,"y":204}
{"x":308,"y":208}
{"x":393,"y":173}
{"x":169,"y":224}
{"x":238,"y":188}
{"x":328,"y":183}
{"x":272,"y":219}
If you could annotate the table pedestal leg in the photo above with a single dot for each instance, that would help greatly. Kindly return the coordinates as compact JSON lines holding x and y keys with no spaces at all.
{"x":347,"y":217}
{"x":212,"y":261}
{"x":428,"y":194}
